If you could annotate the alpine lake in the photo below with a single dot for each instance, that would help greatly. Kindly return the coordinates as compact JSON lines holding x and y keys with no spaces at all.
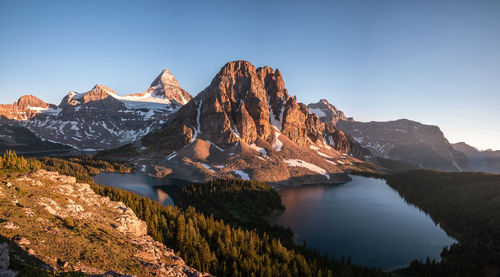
{"x":364,"y":220}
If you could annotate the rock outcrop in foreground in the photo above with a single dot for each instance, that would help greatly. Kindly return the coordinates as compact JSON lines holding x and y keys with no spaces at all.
{"x":54,"y":223}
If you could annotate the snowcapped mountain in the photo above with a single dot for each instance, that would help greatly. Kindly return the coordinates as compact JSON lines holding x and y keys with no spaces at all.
{"x":165,"y":87}
{"x":245,"y":125}
{"x":100,"y":118}
{"x":327,"y":112}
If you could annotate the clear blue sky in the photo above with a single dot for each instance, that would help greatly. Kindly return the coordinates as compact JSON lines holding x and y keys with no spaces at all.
{"x":437,"y":62}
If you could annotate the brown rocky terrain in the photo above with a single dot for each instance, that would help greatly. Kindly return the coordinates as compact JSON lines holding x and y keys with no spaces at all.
{"x":77,"y":230}
{"x":24,"y":108}
{"x":245,"y":124}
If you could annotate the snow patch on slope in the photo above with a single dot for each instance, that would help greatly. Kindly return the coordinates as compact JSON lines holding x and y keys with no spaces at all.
{"x":197,"y":130}
{"x":208,"y":167}
{"x":259,"y":149}
{"x":277,"y":123}
{"x":318,"y":112}
{"x":315,"y":148}
{"x":172,"y":155}
{"x":309,"y":166}
{"x":277,"y":144}
{"x":243,"y":175}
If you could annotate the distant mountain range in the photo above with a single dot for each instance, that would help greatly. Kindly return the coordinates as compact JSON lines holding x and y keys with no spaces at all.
{"x":244,"y":124}
{"x":99,"y":119}
{"x":410,"y":142}
{"x":484,"y":161}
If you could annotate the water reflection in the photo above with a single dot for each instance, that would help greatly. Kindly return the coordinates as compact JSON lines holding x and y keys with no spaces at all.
{"x":143,"y":185}
{"x":364,"y":219}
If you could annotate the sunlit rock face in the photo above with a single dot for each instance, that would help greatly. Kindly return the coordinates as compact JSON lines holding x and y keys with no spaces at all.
{"x":246,"y":125}
{"x":24,"y":108}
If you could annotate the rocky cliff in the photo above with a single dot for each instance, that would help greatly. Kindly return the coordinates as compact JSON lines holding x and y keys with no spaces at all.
{"x":245,"y":124}
{"x":55,"y":224}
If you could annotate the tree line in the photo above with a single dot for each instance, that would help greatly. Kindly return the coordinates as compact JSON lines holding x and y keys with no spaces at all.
{"x":467,"y":206}
{"x":212,"y":245}
{"x":9,"y":161}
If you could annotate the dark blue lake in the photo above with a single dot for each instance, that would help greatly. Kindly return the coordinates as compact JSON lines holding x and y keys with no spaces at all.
{"x":364,"y":219}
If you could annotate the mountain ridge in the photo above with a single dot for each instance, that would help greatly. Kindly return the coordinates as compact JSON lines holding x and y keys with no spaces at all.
{"x":100,"y":118}
{"x":401,"y":140}
{"x":241,"y":103}
{"x":481,"y":160}
{"x":26,"y":107}
{"x":245,"y":125}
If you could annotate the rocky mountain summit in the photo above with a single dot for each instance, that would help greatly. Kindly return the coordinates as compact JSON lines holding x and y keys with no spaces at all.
{"x":26,"y":107}
{"x":165,"y":86}
{"x":407,"y":141}
{"x":245,"y":124}
{"x":483,"y":161}
{"x":100,"y":118}
{"x":327,"y":112}
{"x":77,"y":230}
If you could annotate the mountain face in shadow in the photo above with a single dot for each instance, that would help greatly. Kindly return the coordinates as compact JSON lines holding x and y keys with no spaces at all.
{"x":483,"y":161}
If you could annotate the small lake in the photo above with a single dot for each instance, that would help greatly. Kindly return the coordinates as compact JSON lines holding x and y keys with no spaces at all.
{"x":143,"y":185}
{"x":365,"y":219}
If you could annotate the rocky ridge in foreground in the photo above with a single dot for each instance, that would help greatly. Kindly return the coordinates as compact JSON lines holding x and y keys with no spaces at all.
{"x":56,"y":224}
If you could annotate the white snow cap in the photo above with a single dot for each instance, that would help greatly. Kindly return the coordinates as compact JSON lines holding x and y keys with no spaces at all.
{"x":165,"y":78}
